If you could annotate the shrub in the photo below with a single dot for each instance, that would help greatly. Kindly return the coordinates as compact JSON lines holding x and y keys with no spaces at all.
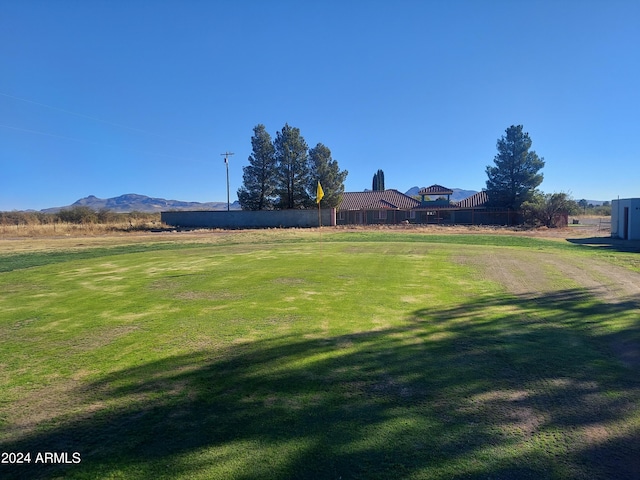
{"x":78,"y":215}
{"x":549,"y":210}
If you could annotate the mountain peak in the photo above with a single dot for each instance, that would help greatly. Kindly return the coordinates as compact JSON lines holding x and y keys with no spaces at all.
{"x":133,"y":202}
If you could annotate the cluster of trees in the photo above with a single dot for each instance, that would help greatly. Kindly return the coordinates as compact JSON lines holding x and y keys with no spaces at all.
{"x":378,"y":181}
{"x":587,"y":208}
{"x":284,"y":173}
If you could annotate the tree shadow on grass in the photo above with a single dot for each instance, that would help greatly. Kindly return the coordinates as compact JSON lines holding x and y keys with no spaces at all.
{"x":608,"y":243}
{"x":500,"y":387}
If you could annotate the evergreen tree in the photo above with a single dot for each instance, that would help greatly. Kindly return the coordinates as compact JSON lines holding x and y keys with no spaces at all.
{"x":259,"y":177}
{"x":325,"y":170}
{"x":378,"y":181}
{"x":292,"y":178}
{"x":515,"y":176}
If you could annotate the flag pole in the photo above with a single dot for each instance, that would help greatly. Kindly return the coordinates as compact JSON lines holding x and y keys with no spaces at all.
{"x":320,"y":231}
{"x":319,"y":195}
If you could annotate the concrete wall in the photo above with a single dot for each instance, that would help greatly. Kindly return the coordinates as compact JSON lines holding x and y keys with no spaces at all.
{"x":625,"y":218}
{"x":249,"y":219}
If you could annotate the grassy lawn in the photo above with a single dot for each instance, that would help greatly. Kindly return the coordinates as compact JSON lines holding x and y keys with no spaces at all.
{"x":357,"y":355}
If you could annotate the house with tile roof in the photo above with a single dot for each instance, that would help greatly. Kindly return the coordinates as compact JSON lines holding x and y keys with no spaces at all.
{"x":434,"y":206}
{"x":375,"y":207}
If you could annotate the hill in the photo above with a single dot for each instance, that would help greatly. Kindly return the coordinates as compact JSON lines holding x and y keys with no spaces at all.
{"x":132,"y":202}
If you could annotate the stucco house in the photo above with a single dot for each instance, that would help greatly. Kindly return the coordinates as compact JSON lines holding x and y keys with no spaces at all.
{"x":433,"y":206}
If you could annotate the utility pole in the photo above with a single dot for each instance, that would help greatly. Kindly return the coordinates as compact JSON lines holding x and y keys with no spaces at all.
{"x":226,"y":162}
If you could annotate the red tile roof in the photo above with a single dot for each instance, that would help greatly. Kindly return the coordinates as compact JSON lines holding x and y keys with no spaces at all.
{"x":393,"y":199}
{"x":378,"y":200}
{"x":435,"y":190}
{"x":474,"y":201}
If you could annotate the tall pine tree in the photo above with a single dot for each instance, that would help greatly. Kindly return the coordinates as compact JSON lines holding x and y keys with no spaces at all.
{"x":515,"y":177}
{"x":259,"y":177}
{"x":325,"y":169}
{"x":292,"y":179}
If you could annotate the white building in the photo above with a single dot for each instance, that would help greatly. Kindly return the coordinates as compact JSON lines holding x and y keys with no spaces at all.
{"x":625,"y":218}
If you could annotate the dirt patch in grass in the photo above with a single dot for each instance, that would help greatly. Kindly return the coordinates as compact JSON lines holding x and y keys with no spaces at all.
{"x":537,"y":273}
{"x":509,"y":409}
{"x":40,"y":406}
{"x":608,"y":282}
{"x":514,"y":270}
{"x":211,"y":296}
{"x":289,"y":281}
{"x":541,"y":276}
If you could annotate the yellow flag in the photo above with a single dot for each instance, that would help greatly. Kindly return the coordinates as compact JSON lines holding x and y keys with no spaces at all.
{"x":319,"y":193}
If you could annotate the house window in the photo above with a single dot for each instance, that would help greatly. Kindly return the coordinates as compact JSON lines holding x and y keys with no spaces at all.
{"x":412,"y":214}
{"x":382,"y":214}
{"x":341,"y":215}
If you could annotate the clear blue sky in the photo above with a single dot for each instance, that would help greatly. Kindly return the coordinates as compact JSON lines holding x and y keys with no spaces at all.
{"x":111,"y":97}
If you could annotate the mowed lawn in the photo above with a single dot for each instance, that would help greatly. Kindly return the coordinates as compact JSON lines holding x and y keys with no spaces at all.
{"x":347,"y":355}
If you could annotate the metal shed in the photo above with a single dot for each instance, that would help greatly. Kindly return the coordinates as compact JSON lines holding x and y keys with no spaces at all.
{"x":625,"y":218}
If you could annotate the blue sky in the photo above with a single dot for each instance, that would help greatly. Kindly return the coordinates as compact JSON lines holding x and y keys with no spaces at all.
{"x":111,"y":97}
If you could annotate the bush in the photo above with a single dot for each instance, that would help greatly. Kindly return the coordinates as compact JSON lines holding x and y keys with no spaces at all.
{"x":79,"y":215}
{"x":549,"y":210}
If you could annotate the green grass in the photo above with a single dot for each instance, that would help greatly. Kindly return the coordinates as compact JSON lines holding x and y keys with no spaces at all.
{"x":18,"y":261}
{"x":366,"y":355}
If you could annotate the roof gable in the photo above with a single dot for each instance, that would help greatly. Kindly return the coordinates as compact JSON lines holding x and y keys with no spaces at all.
{"x":377,"y":200}
{"x":435,"y":190}
{"x":476,"y":200}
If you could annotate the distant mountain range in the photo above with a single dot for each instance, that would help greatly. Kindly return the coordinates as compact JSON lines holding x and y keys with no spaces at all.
{"x":458,"y":193}
{"x":132,"y":202}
